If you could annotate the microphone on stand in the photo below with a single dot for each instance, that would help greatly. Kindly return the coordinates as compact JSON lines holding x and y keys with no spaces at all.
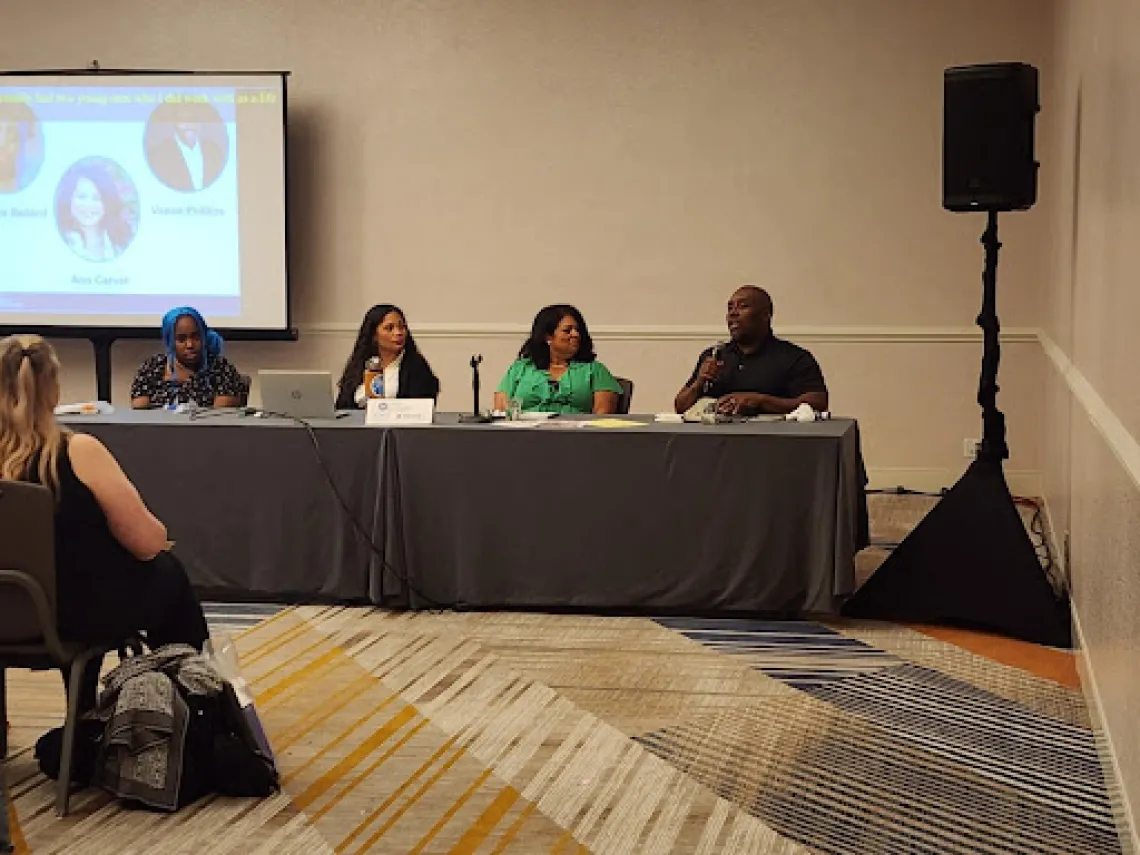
{"x":475,"y":417}
{"x":476,"y":361}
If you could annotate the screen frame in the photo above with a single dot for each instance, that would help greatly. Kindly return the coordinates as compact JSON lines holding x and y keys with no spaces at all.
{"x":111,"y":333}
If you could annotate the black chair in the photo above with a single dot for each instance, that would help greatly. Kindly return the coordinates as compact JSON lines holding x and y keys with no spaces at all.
{"x":626,"y":397}
{"x":29,"y":636}
{"x":246,"y":386}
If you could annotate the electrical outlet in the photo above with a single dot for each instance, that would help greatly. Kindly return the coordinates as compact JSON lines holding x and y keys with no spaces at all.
{"x":970,"y":448}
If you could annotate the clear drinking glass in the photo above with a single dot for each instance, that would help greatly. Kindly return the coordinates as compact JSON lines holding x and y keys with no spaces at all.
{"x":514,"y":409}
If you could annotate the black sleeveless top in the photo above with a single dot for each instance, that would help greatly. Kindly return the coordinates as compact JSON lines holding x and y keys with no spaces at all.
{"x":85,"y":548}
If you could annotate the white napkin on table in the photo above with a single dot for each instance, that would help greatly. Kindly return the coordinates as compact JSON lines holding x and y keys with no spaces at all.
{"x":802,"y":413}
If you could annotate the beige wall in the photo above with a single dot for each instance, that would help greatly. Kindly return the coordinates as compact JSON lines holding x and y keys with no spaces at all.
{"x":472,"y":161}
{"x":1092,"y":401}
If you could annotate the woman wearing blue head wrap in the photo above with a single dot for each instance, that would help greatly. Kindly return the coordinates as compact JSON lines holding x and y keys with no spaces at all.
{"x":192,"y":370}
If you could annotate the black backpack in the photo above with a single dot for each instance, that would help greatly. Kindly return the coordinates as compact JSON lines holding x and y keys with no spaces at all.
{"x":240,"y":765}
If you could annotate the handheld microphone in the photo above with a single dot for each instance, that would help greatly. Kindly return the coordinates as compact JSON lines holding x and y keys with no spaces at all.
{"x":718,"y":348}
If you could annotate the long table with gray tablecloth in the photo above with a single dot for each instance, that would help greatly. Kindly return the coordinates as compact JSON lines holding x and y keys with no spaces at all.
{"x":247,"y":502}
{"x":763,"y":516}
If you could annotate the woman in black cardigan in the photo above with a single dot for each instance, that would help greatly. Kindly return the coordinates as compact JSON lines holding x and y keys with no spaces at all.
{"x":384,"y":333}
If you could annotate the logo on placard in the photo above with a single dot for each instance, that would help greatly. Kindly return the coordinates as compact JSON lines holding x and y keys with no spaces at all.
{"x":296,"y":393}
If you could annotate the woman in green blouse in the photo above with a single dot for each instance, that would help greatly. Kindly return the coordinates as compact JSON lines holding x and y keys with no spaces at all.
{"x":557,"y":370}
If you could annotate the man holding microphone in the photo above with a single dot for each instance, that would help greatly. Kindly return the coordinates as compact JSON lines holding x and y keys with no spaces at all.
{"x":754,"y":372}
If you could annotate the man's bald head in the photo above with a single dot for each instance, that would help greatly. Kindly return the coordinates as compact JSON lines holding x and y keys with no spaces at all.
{"x":757,"y":295}
{"x":749,"y":315}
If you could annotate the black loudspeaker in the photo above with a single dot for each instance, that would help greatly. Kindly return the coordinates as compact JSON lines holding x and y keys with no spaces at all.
{"x":990,"y":113}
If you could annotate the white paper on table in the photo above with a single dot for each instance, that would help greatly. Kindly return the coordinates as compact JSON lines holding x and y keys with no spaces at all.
{"x":563,"y":424}
{"x":87,"y":408}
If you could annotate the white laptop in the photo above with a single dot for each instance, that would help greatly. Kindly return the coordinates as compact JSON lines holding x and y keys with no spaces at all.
{"x":301,"y":394}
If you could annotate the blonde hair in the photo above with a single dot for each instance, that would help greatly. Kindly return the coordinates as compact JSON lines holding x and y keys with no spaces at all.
{"x":29,"y":392}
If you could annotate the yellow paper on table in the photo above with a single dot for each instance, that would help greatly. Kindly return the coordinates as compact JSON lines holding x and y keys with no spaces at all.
{"x":612,"y":423}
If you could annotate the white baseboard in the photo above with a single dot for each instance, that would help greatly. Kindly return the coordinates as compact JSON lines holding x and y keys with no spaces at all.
{"x":1130,"y":842}
{"x":1021,"y":482}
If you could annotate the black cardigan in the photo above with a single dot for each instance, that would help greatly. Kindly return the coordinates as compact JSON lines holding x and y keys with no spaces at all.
{"x":416,"y":381}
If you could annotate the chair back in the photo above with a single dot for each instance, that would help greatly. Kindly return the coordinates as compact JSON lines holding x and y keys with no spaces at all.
{"x":626,"y":397}
{"x":27,"y":561}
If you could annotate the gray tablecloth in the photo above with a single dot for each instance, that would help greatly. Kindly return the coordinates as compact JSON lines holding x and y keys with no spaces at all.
{"x":247,"y":501}
{"x":687,"y":518}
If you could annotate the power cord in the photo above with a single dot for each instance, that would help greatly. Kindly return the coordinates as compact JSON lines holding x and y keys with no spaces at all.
{"x":204,"y":413}
{"x":344,"y":506}
{"x":1041,"y":544}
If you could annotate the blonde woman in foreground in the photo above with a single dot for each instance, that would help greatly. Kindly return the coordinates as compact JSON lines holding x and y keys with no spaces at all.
{"x":115,"y":575}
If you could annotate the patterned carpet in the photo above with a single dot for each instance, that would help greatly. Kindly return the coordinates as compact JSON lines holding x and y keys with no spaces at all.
{"x":491,"y":733}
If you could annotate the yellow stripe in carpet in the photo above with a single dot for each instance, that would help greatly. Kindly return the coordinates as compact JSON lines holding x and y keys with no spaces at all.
{"x":17,"y":835}
{"x":487,"y":822}
{"x":415,"y":797}
{"x":513,"y":830}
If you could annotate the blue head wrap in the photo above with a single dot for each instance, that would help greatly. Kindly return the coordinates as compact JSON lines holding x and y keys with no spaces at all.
{"x":212,"y":343}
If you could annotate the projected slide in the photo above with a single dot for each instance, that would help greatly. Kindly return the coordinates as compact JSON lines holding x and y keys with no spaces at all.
{"x":123,"y":196}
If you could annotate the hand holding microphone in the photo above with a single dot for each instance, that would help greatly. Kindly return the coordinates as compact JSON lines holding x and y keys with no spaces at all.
{"x":711,"y":368}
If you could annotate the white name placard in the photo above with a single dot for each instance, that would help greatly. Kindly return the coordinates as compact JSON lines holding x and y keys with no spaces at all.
{"x":399,"y":411}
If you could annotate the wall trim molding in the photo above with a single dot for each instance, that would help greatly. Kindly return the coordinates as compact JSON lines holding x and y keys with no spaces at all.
{"x":1118,"y":438}
{"x":1123,"y":812}
{"x":1127,"y":450}
{"x":703,"y":333}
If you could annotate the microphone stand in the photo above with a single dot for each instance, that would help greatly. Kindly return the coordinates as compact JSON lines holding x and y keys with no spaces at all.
{"x":475,"y":417}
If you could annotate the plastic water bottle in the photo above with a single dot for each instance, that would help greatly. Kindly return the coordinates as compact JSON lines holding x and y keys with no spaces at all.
{"x":373,"y":378}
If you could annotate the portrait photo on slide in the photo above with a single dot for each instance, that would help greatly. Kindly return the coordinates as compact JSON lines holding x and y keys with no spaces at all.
{"x":187,"y":145}
{"x":21,"y":146}
{"x":97,"y":209}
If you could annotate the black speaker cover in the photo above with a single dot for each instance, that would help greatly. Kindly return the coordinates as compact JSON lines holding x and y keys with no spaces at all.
{"x":988,"y":137}
{"x":969,"y":563}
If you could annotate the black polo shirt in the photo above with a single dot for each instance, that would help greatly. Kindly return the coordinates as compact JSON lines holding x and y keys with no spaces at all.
{"x":778,"y":368}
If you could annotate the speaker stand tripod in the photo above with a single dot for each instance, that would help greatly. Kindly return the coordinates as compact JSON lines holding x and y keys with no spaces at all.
{"x":971,"y":562}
